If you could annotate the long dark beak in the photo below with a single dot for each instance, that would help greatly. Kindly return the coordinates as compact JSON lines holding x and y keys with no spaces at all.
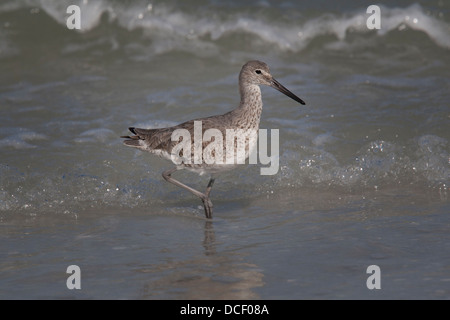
{"x":276,"y":85}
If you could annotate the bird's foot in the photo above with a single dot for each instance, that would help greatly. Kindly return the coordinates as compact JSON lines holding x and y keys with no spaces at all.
{"x":208,"y":207}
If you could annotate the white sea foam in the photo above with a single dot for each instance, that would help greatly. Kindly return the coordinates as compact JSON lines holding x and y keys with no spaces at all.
{"x":425,"y":159}
{"x":171,"y":28}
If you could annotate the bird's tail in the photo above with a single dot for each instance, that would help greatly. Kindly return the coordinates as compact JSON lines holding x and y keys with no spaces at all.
{"x":132,"y":141}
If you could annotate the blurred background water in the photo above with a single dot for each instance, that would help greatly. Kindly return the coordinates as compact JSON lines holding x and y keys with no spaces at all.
{"x":367,"y":156}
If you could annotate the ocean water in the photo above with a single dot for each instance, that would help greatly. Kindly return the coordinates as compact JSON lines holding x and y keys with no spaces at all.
{"x":364,"y":166}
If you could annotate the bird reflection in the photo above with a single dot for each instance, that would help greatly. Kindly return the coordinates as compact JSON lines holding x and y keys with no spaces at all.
{"x":209,"y":241}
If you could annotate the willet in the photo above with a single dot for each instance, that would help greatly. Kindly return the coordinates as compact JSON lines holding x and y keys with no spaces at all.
{"x":246,"y":116}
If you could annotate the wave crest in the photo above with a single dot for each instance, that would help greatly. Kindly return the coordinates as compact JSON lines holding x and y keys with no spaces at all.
{"x":205,"y":31}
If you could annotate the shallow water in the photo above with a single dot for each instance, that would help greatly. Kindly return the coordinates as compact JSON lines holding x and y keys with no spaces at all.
{"x":308,"y":246}
{"x":364,"y":166}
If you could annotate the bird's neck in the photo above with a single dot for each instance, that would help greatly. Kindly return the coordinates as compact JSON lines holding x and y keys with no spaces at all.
{"x":250,"y":106}
{"x":250,"y":96}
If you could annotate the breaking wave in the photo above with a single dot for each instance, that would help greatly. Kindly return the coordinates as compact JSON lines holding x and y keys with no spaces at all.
{"x":164,"y":27}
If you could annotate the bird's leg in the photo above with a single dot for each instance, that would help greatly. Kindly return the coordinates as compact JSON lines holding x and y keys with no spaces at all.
{"x":167,"y":175}
{"x":206,"y":202}
{"x":209,"y":187}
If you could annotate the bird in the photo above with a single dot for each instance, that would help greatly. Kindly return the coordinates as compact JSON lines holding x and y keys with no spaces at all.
{"x":246,"y":117}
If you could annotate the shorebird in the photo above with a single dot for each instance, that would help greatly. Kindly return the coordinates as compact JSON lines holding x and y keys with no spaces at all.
{"x":246,"y":116}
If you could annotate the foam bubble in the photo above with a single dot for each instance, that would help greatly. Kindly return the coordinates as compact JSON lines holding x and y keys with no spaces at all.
{"x":425,"y":160}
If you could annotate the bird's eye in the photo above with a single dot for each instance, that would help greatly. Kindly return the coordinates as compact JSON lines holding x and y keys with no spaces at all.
{"x":258,"y":71}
